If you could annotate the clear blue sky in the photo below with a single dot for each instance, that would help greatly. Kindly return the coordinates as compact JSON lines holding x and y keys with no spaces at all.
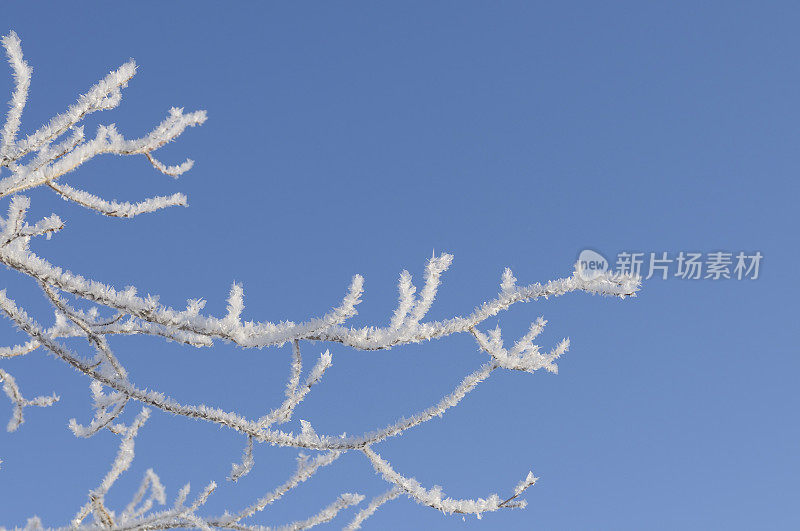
{"x":359,"y":137}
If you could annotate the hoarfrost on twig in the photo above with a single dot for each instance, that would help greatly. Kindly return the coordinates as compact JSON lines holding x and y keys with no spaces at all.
{"x":47,"y":156}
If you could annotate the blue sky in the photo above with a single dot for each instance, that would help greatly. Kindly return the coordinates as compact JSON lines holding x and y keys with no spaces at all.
{"x":359,"y":138}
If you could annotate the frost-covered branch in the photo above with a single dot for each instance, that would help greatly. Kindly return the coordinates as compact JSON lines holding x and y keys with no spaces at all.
{"x":95,"y":311}
{"x":373,"y":506}
{"x":121,"y":463}
{"x":53,"y":161}
{"x":294,"y":395}
{"x":113,"y":208}
{"x":138,"y":504}
{"x":435,"y":498}
{"x":14,"y":228}
{"x":15,"y":395}
{"x":326,"y":328}
{"x":306,"y":468}
{"x":22,"y":80}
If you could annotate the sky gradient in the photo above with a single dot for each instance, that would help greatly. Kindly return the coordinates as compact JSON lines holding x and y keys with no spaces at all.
{"x":363,"y":137}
